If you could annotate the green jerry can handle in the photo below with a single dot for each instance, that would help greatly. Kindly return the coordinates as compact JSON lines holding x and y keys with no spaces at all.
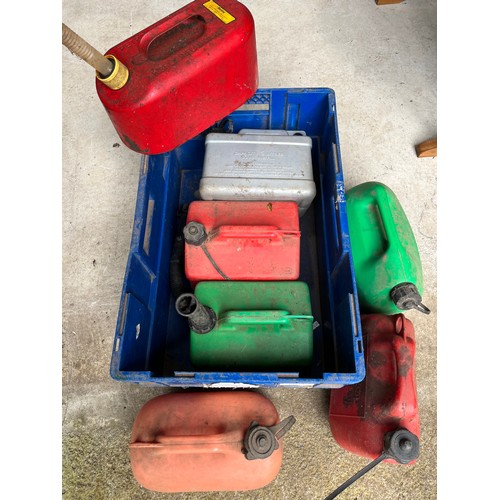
{"x":386,"y":218}
{"x":404,"y":295}
{"x":202,"y":319}
{"x":269,"y":317}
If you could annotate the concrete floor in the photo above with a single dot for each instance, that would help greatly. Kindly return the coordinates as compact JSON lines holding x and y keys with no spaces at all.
{"x":381,"y":61}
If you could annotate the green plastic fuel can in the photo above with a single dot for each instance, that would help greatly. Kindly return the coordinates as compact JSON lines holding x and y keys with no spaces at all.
{"x":249,"y":325}
{"x":386,"y":260}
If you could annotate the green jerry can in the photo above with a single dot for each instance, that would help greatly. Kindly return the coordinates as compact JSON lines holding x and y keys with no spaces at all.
{"x":387,"y":264}
{"x":255,"y":326}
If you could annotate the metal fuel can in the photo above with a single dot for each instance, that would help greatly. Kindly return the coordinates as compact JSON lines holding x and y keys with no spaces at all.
{"x":186,"y":72}
{"x":259,"y":165}
{"x":242,"y":241}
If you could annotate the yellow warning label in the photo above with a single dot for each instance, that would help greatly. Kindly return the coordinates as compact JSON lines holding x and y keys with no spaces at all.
{"x":218,"y":11}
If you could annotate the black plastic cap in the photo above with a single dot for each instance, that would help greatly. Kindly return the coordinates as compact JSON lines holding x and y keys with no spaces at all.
{"x":194,"y":233}
{"x":259,"y":442}
{"x":406,"y":296}
{"x":402,"y":445}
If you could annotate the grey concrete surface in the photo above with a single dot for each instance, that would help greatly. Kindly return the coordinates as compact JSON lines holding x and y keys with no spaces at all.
{"x":381,"y":61}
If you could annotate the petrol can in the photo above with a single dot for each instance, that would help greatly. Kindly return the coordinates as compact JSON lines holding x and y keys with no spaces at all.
{"x":386,"y":400}
{"x":246,"y":325}
{"x":186,"y":72}
{"x":207,"y":441}
{"x":259,"y":165}
{"x":386,"y":260}
{"x":242,"y":241}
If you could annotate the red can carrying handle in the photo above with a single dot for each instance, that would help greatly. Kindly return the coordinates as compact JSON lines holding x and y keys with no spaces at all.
{"x":403,"y":404}
{"x":251,"y":232}
{"x":225,"y":442}
{"x":188,"y":28}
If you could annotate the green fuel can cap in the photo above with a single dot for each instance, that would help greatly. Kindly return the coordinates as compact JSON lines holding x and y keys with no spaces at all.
{"x":406,"y":296}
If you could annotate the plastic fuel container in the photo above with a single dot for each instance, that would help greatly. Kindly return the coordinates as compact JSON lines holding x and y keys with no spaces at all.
{"x":361,"y":415}
{"x":260,"y":165}
{"x":386,"y":260}
{"x":249,"y":325}
{"x":187,"y":71}
{"x":246,"y":241}
{"x":207,"y":441}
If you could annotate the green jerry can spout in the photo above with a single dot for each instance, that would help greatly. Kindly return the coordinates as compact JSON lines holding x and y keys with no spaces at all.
{"x":385,"y":255}
{"x":201,"y":319}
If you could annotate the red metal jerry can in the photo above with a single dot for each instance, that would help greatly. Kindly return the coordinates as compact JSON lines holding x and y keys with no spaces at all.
{"x":207,"y":441}
{"x":186,"y":72}
{"x":243,"y":241}
{"x":386,"y":400}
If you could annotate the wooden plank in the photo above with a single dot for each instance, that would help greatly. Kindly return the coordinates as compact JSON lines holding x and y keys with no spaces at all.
{"x":387,"y":2}
{"x":427,"y":149}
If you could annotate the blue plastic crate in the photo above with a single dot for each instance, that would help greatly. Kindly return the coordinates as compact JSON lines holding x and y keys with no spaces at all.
{"x":151,"y":344}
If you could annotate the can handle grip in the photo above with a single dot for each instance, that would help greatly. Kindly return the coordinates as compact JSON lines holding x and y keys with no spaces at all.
{"x":387,"y":220}
{"x":404,"y":400}
{"x":172,"y":24}
{"x":264,"y":231}
{"x":224,"y":442}
{"x":269,"y":317}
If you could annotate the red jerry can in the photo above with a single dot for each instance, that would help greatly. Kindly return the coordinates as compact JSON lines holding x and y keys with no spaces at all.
{"x":386,"y":400}
{"x":185,"y":72}
{"x":207,"y":441}
{"x":242,"y":241}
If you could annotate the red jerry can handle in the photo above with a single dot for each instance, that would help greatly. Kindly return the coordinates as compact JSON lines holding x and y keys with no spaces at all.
{"x":194,"y":24}
{"x":225,"y":442}
{"x":257,"y":442}
{"x":404,"y":401}
{"x":272,"y":232}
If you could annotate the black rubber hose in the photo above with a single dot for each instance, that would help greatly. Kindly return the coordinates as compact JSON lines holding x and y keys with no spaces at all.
{"x":77,"y":45}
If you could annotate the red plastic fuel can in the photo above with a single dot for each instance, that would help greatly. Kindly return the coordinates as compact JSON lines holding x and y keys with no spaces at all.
{"x":386,"y":400}
{"x":243,"y":241}
{"x":186,"y":72}
{"x":207,"y":441}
